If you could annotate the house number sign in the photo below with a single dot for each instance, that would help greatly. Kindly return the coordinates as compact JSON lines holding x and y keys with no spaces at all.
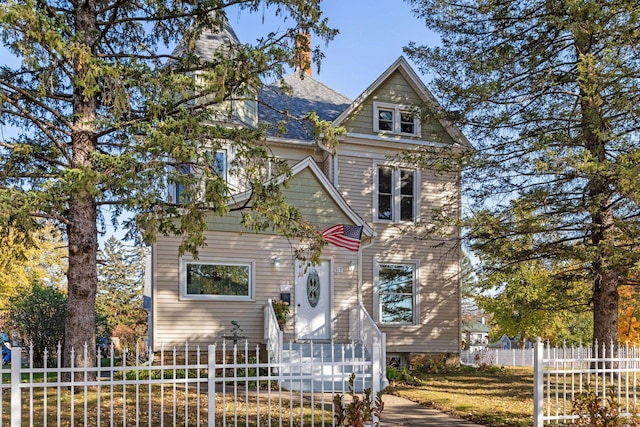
{"x":313,"y":287}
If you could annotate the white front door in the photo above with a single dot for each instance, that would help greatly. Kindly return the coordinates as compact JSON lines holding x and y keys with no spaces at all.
{"x":313,"y":301}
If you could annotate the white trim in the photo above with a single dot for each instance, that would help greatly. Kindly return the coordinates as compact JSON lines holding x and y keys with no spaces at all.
{"x":292,"y":141}
{"x":216,"y":261}
{"x":396,"y":122}
{"x":396,"y":197}
{"x":415,"y":291}
{"x":386,"y":138}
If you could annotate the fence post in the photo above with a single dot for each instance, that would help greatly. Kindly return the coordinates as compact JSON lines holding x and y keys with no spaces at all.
{"x":16,"y":404}
{"x":375,"y":368}
{"x":211,"y":384}
{"x":538,"y":383}
{"x":375,"y":372}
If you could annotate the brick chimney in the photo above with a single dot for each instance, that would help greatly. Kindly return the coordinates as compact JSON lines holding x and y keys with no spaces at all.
{"x":303,"y":57}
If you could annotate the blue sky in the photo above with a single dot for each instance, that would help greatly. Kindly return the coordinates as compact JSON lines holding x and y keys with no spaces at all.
{"x":372,"y":35}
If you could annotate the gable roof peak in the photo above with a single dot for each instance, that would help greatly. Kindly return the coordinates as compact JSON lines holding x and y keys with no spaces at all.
{"x":402,"y":65}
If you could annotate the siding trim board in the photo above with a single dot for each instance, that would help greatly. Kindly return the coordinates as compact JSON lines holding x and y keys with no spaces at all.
{"x":366,"y":139}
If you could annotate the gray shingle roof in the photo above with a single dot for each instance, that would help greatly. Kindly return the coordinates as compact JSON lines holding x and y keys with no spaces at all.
{"x":303,"y":96}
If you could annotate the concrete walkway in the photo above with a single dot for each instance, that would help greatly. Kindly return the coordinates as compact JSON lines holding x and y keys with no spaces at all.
{"x":399,"y":411}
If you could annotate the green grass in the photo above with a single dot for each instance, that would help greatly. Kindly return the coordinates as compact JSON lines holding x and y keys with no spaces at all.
{"x":500,"y":397}
{"x":163,"y":404}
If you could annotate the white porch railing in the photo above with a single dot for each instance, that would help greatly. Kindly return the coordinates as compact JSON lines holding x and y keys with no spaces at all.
{"x":607,"y":375}
{"x":363,"y":329}
{"x":272,"y":334}
{"x":224,"y":386}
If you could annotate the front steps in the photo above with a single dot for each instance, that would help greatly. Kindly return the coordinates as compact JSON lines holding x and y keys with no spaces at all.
{"x":325,"y":367}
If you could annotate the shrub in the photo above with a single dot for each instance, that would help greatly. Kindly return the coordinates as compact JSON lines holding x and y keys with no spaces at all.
{"x":595,"y":411}
{"x":361,"y":410}
{"x":401,"y":375}
{"x":38,"y":316}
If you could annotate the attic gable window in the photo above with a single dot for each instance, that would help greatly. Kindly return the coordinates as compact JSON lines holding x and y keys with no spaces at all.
{"x":395,"y":119}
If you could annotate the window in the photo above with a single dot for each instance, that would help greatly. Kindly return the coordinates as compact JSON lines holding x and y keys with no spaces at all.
{"x":225,"y":280}
{"x":392,"y":118}
{"x":189,"y":177}
{"x":396,"y":293}
{"x":179,"y":195}
{"x":220,"y":164}
{"x":396,"y":194}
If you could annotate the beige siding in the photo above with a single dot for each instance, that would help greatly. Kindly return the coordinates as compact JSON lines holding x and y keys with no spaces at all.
{"x":395,"y":90}
{"x":315,"y":204}
{"x":178,"y":320}
{"x":438,"y":258}
{"x":296,"y":153}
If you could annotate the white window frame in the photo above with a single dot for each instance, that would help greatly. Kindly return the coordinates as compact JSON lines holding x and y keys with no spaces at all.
{"x":174,"y":190}
{"x":184,"y":261}
{"x":415,"y":294}
{"x":396,"y":196}
{"x":396,"y":109}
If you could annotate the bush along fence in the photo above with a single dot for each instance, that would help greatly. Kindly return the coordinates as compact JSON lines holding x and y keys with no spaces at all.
{"x":223,"y":385}
{"x":586,"y":386}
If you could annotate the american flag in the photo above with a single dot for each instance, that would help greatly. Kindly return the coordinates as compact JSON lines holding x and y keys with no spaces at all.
{"x":344,"y":236}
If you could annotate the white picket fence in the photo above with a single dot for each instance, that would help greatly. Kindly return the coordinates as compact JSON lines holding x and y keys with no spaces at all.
{"x":607,"y":377}
{"x":227,"y":386}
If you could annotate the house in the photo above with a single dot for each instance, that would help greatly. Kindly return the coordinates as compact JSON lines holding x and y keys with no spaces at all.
{"x":511,"y":343}
{"x":475,"y":335}
{"x":404,"y":285}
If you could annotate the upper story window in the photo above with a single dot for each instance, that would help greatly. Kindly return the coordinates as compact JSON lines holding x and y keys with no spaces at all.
{"x":220,"y":164}
{"x":396,"y":119}
{"x":179,"y":188}
{"x":396,"y":194}
{"x":217,"y":279}
{"x":187,"y":177}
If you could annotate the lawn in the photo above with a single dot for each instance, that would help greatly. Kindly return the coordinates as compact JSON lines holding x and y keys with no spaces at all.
{"x":500,"y":397}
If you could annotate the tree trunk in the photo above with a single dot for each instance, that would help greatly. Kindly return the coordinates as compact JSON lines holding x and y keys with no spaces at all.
{"x":82,"y":230}
{"x":594,"y":131}
{"x":83,"y":281}
{"x":605,"y":310}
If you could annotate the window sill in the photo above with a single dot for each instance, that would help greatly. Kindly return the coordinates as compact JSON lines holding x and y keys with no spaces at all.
{"x":217,"y":298}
